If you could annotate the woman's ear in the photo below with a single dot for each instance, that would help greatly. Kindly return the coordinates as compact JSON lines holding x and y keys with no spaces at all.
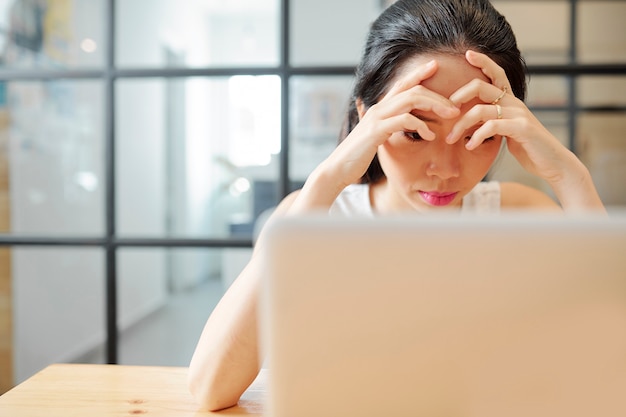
{"x":360,"y":108}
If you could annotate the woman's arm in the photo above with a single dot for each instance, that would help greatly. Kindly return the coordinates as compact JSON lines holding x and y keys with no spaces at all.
{"x":574,"y":188}
{"x":226,"y":359}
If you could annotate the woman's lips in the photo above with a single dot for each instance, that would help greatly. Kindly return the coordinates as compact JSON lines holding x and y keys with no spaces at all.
{"x":438,"y":199}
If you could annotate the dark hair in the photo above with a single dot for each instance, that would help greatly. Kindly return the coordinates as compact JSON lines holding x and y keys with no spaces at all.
{"x":412,"y":27}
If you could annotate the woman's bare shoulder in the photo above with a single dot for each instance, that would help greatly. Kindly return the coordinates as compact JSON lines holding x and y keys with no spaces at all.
{"x":286,"y":202}
{"x":273,"y":213}
{"x":515,"y":195}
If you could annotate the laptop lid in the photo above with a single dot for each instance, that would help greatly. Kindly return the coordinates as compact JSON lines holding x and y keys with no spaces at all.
{"x":446,"y":316}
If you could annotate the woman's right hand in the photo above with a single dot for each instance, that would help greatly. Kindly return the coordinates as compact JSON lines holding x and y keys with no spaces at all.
{"x":390,"y":115}
{"x":393,"y":113}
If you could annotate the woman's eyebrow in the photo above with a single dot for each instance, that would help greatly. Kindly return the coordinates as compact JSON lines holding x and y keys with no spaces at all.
{"x":425,"y":118}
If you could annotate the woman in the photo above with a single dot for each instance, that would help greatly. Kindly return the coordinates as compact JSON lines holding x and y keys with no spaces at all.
{"x":440,"y":85}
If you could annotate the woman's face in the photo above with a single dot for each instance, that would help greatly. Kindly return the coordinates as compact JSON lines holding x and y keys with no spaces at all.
{"x":429,"y":175}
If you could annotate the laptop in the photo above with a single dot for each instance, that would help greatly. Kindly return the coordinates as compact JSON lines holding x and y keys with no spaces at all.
{"x":513,"y":315}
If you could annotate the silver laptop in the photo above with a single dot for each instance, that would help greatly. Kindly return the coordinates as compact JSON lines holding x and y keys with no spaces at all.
{"x":446,"y":316}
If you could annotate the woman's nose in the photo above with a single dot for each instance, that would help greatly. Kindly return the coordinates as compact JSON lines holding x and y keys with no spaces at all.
{"x":444,"y":160}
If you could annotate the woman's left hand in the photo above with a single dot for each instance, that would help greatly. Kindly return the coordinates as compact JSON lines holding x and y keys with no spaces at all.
{"x":501,"y":113}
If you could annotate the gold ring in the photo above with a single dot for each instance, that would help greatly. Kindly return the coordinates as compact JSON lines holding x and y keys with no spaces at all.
{"x":496,"y":101}
{"x":499,"y":110}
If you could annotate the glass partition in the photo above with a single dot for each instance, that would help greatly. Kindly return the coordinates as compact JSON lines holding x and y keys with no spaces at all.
{"x":165,"y":297}
{"x":601,"y":146}
{"x":541,"y":27}
{"x":547,"y":90}
{"x":52,"y":34}
{"x":58,"y":307}
{"x":192,"y":152}
{"x":51,"y":141}
{"x":318,"y":108}
{"x":602,"y":90}
{"x":328,"y":32}
{"x":601,"y":34}
{"x":197,"y":33}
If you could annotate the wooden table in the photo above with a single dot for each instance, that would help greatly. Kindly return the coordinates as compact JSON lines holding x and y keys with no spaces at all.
{"x":116,"y":390}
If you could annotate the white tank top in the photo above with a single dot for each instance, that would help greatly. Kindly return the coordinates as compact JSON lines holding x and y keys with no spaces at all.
{"x":355,"y":200}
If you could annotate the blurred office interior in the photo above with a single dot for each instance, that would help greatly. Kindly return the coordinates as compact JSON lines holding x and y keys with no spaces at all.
{"x":141,"y":139}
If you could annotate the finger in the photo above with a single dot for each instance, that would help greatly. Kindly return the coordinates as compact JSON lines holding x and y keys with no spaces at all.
{"x":421,"y":73}
{"x":488,"y":66}
{"x":370,"y":135}
{"x":423,"y":99}
{"x":412,"y":123}
{"x":406,"y":123}
{"x":418,"y":98}
{"x":485,"y":92}
{"x":479,"y":115}
{"x":487,"y":130}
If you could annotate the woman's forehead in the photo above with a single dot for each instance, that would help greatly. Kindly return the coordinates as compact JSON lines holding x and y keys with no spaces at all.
{"x":453,"y":72}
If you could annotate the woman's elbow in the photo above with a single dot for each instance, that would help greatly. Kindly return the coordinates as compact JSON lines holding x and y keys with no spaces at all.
{"x":208,"y":393}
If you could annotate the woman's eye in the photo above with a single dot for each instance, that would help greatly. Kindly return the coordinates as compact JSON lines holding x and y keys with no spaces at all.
{"x":413,"y":136}
{"x":489,"y":139}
